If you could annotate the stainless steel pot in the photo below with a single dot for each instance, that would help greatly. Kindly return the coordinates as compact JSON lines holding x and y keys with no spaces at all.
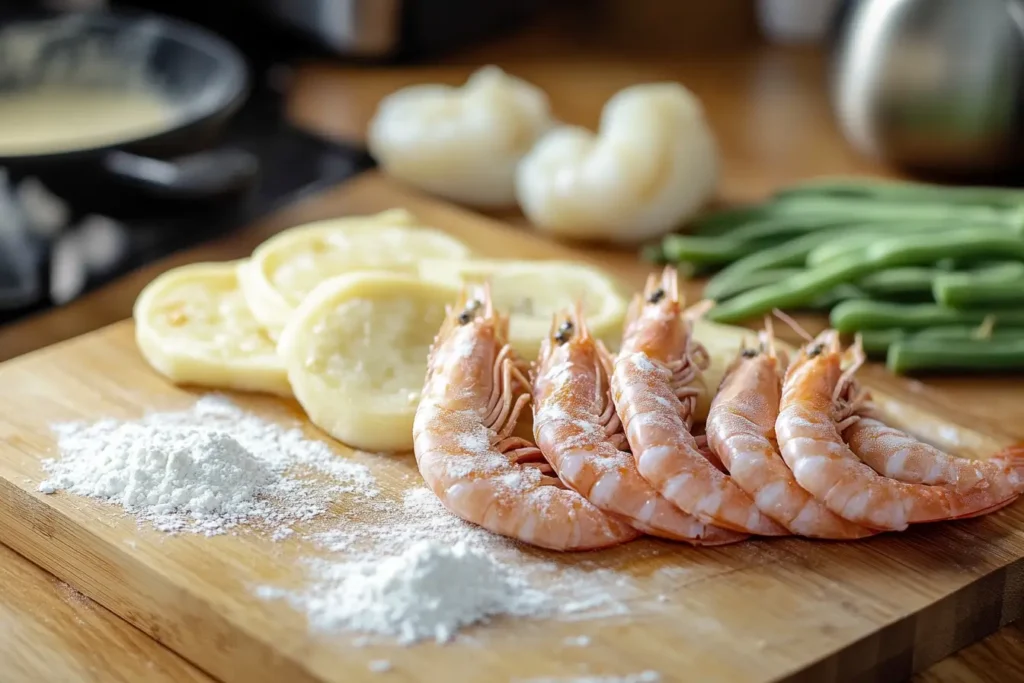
{"x":932,"y":85}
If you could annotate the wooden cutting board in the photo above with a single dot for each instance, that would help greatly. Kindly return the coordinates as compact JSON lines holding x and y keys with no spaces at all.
{"x":761,"y":611}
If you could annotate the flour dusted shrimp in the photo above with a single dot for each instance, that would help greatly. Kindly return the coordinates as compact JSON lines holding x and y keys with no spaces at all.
{"x":654,"y":395}
{"x":741,"y":430}
{"x":819,"y":402}
{"x":474,"y":393}
{"x":576,"y":428}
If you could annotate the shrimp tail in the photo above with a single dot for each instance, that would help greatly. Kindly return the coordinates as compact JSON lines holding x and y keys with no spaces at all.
{"x":1011,"y":458}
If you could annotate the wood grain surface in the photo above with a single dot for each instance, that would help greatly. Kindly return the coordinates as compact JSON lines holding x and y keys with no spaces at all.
{"x":766,"y":610}
{"x":51,"y":632}
{"x":767,"y":103}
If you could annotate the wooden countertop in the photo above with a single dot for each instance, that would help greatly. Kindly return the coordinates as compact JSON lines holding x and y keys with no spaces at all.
{"x":768,"y":109}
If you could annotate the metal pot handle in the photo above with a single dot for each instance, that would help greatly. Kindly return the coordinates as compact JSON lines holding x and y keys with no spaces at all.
{"x":203,"y":175}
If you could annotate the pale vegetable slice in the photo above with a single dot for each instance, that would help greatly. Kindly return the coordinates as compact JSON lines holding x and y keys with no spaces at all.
{"x":531,"y":292}
{"x":192,"y":325}
{"x":356,"y":354}
{"x":285,"y":268}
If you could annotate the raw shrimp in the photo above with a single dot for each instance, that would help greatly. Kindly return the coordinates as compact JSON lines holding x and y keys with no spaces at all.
{"x":575,"y":426}
{"x":741,"y":431}
{"x":900,"y":456}
{"x":818,"y":403}
{"x":653,"y":388}
{"x":472,"y":398}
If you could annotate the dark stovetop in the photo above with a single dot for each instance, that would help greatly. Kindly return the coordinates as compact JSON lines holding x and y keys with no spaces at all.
{"x":293,"y":163}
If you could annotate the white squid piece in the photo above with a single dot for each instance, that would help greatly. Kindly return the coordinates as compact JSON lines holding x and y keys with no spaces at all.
{"x":461,"y":143}
{"x":651,"y":166}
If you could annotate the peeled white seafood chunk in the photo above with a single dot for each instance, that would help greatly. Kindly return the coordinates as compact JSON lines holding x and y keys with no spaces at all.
{"x":461,"y":143}
{"x":651,"y":166}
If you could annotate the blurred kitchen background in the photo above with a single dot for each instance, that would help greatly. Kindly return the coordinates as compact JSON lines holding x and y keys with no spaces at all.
{"x":918,"y":87}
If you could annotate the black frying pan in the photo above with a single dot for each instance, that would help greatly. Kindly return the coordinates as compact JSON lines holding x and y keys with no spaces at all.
{"x":202,"y":77}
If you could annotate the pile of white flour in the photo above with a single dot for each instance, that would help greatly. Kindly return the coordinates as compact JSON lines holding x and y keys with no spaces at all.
{"x":206,"y":469}
{"x":415,"y":571}
{"x":429,"y":591}
{"x":403,"y":570}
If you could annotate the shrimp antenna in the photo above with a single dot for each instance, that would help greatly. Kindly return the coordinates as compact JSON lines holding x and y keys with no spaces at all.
{"x":859,"y":358}
{"x":770,"y":337}
{"x":671,"y":279}
{"x":580,"y":320}
{"x":650,"y":285}
{"x":699,"y":309}
{"x":488,"y":302}
{"x":793,"y":325}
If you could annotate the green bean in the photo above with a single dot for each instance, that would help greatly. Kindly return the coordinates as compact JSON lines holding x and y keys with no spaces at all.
{"x":977,"y":243}
{"x":877,"y":342}
{"x":724,"y":220}
{"x":911,"y":282}
{"x":867,"y":188}
{"x":896,"y":212}
{"x":722,"y":289}
{"x":783,"y":227}
{"x":793,"y":292}
{"x":745,"y":239}
{"x":858,"y":315}
{"x":917,"y":354}
{"x":849,"y":240}
{"x":708,"y":250}
{"x":999,"y":285}
{"x":654,"y":253}
{"x":786,"y":255}
{"x":839,"y":293}
{"x":839,"y":247}
{"x":904,"y":250}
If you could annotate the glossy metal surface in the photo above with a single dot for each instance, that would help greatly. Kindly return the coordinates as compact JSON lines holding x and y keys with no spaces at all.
{"x":366,"y":28}
{"x":934,"y":85}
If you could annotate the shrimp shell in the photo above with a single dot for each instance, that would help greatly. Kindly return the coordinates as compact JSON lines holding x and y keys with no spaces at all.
{"x":741,"y":430}
{"x":653,"y":394}
{"x":899,"y":456}
{"x":816,"y":407}
{"x":576,"y":428}
{"x":472,"y":398}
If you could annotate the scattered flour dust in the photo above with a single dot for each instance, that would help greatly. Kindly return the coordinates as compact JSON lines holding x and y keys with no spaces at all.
{"x":417,"y":572}
{"x":205,"y":470}
{"x":405,"y":570}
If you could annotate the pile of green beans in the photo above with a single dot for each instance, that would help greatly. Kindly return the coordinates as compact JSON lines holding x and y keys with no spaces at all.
{"x":931,"y":277}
